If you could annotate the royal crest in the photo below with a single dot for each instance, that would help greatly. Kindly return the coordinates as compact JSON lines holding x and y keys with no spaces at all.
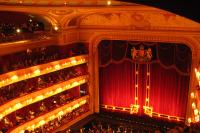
{"x":141,"y":55}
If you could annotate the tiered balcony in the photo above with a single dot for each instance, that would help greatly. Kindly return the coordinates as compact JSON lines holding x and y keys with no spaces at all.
{"x":33,"y":99}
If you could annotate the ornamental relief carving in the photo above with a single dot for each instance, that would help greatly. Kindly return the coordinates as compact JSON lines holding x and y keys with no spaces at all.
{"x":61,"y":12}
{"x":139,"y":19}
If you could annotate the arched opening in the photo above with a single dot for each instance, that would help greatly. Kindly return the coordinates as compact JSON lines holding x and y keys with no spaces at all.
{"x":144,"y":78}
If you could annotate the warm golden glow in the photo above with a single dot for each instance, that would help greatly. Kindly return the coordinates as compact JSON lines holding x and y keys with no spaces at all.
{"x":58,"y":113}
{"x":41,"y":95}
{"x":31,"y":72}
{"x":192,"y":94}
{"x":14,"y":78}
{"x":109,"y":2}
{"x":196,"y":118}
{"x":193,"y":105}
{"x":18,"y":30}
{"x":196,"y":111}
{"x":56,"y":28}
{"x":197,"y":72}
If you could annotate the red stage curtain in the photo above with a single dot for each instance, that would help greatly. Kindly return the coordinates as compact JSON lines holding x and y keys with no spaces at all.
{"x":169,"y":91}
{"x":170,"y":75}
{"x":117,"y":84}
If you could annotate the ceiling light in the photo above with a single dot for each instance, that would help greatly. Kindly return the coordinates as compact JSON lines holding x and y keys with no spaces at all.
{"x":109,"y":2}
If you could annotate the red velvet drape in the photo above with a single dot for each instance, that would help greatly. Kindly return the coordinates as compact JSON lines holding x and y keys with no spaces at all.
{"x":117,"y":84}
{"x":168,"y":89}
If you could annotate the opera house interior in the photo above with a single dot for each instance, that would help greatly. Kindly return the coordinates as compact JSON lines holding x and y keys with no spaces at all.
{"x":97,"y":66}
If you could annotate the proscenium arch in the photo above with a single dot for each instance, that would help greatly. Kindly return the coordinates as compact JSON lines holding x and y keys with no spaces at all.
{"x":192,"y":43}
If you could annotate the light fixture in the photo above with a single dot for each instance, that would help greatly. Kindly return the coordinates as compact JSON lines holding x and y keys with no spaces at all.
{"x":56,"y":28}
{"x":109,"y":2}
{"x":18,"y":30}
{"x":197,"y":73}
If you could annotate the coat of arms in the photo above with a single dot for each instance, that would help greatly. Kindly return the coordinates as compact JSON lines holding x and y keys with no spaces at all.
{"x":141,"y":55}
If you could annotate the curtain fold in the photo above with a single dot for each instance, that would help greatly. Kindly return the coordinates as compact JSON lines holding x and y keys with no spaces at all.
{"x":169,"y":76}
{"x":117,"y":84}
{"x":168,"y":91}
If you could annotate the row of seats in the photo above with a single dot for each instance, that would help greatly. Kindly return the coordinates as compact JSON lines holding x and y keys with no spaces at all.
{"x":13,"y":31}
{"x":52,"y":125}
{"x":39,"y":108}
{"x":109,"y":122}
{"x":25,"y":87}
{"x":37,"y":56}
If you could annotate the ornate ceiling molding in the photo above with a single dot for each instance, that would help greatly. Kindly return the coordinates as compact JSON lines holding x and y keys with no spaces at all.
{"x":145,"y":20}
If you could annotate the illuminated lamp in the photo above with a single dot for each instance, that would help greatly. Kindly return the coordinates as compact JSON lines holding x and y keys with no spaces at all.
{"x":57,"y":67}
{"x":22,"y":131}
{"x":17,"y":106}
{"x":18,"y":30}
{"x":15,"y":77}
{"x":37,"y":72}
{"x":109,"y":2}
{"x":60,"y":113}
{"x":73,"y":61}
{"x":196,"y":111}
{"x":189,"y":120}
{"x":42,"y":122}
{"x":197,"y":73}
{"x":56,"y":28}
{"x":196,"y":118}
{"x":193,"y":105}
{"x":192,"y":94}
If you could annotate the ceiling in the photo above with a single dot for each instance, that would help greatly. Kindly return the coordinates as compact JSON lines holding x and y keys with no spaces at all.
{"x":63,"y":2}
{"x":186,"y":8}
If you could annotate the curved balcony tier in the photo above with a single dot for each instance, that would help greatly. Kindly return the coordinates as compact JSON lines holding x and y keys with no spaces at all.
{"x":27,"y":73}
{"x":31,"y":98}
{"x":50,"y":116}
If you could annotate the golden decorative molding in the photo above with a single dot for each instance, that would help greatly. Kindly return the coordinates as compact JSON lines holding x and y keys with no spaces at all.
{"x":31,"y":72}
{"x":40,"y":95}
{"x":145,"y":20}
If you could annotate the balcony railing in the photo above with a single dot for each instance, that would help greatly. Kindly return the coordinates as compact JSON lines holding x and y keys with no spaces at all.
{"x":23,"y":74}
{"x":57,"y":113}
{"x":31,"y":98}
